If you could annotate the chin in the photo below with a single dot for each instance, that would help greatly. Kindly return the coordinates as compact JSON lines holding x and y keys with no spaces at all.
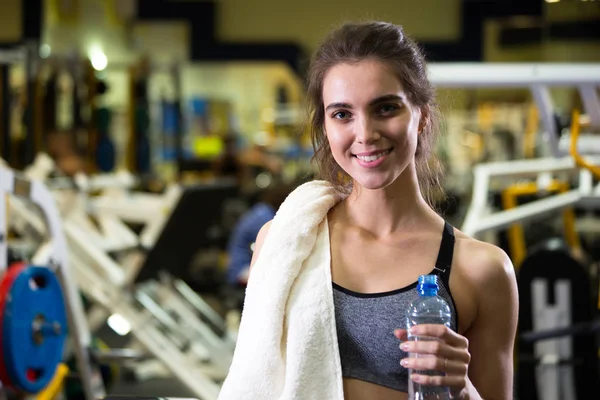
{"x":374,"y":182}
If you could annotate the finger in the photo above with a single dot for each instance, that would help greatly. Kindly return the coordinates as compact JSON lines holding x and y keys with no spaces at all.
{"x":401,"y":334}
{"x":440,"y":331}
{"x":437,"y":348}
{"x":432,"y":363}
{"x":455,"y":382}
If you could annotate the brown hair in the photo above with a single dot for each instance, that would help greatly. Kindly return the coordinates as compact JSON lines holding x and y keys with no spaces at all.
{"x":354,"y":42}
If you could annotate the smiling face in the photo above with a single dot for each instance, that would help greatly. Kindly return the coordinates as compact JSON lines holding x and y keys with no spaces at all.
{"x":370,"y":124}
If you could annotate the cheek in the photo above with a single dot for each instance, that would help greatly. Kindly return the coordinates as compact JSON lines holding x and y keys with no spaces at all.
{"x":339,"y":145}
{"x":338,"y":140}
{"x":408,"y":131}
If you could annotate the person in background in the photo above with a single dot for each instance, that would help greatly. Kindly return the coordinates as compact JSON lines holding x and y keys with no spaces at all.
{"x":240,"y":245}
{"x":63,"y":150}
{"x":256,"y":157}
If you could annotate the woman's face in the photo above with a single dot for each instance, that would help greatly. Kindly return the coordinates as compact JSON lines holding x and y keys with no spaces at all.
{"x":370,"y":125}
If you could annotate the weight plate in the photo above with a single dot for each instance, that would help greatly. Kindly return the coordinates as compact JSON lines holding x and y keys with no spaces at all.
{"x":33,"y":328}
{"x":5,"y":284}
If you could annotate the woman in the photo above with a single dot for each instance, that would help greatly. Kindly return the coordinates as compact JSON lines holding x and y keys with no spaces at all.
{"x":373,"y":123}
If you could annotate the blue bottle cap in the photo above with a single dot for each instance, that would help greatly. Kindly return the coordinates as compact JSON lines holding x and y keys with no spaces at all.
{"x":428,"y":285}
{"x":428,"y":280}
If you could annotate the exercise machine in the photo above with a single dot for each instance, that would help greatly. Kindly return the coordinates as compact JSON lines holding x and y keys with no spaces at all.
{"x":539,"y":79}
{"x":579,"y":172}
{"x":481,"y":217}
{"x":166,"y":320}
{"x":43,"y":294}
{"x":557,"y":347}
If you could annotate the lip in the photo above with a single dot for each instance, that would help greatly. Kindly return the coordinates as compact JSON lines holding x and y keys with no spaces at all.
{"x":372,"y":164}
{"x":371,"y":153}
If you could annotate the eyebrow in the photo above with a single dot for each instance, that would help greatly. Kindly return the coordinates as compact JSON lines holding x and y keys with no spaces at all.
{"x":380,"y":99}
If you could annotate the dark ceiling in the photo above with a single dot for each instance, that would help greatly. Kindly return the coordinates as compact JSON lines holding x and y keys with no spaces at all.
{"x":205,"y":45}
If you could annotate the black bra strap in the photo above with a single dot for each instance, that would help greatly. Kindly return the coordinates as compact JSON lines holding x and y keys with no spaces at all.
{"x":444,"y":259}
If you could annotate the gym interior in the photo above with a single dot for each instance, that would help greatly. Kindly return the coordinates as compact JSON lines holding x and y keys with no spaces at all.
{"x":137,"y":138}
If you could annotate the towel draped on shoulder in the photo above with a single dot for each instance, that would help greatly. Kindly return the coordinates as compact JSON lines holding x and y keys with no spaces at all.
{"x":287,"y":343}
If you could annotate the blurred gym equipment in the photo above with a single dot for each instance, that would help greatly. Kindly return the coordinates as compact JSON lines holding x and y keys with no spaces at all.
{"x":539,"y":78}
{"x":516,"y":234}
{"x":556,"y":294}
{"x":19,"y":148}
{"x":161,"y":316}
{"x":138,"y":146}
{"x":43,"y":101}
{"x":45,"y":294}
{"x":481,"y":218}
{"x":199,"y":220}
{"x":558,"y":318}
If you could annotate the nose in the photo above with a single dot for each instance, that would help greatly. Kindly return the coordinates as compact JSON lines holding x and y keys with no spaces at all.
{"x":365,"y":131}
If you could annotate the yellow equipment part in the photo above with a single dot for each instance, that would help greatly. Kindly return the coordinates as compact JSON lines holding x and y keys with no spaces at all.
{"x":579,"y":160}
{"x":516,"y":235}
{"x":55,"y":386}
{"x":531,"y":130}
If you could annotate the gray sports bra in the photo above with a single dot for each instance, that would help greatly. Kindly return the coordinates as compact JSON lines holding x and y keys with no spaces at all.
{"x":365,"y":324}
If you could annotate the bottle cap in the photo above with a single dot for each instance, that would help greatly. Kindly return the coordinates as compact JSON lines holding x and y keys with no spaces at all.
{"x":428,"y":280}
{"x":428,"y":284}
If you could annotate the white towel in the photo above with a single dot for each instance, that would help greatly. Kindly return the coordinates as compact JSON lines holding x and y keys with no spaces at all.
{"x":287,"y":343}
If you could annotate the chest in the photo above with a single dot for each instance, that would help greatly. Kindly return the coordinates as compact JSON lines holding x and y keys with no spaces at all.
{"x":368,"y":349}
{"x":367,"y":265}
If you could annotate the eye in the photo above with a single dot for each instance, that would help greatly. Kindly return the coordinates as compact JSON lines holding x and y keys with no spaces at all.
{"x":388,"y":108}
{"x":341,"y":115}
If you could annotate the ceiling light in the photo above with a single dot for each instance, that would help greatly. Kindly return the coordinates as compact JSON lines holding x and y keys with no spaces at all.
{"x":98,"y":58}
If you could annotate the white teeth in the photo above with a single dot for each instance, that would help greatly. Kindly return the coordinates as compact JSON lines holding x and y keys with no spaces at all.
{"x":373,"y":157}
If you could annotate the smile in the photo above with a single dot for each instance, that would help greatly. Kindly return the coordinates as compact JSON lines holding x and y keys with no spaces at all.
{"x":373,"y":156}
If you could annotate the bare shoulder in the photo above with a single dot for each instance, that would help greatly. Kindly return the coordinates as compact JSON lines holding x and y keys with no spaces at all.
{"x":488,"y":286}
{"x":263,"y":232}
{"x":260,"y":239}
{"x":487,"y":266}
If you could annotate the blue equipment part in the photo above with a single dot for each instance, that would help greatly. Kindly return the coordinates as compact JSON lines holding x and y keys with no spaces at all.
{"x":33,"y":327}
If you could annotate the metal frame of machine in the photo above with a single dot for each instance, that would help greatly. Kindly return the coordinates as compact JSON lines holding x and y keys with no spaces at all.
{"x":538,"y":77}
{"x":480,"y":218}
{"x":516,"y":234}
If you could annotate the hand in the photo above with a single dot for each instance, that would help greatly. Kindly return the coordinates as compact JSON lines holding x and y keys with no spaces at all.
{"x":449,"y":354}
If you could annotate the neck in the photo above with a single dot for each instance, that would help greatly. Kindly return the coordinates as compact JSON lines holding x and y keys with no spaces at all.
{"x":397,"y":207}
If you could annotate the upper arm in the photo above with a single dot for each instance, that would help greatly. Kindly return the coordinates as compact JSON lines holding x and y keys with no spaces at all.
{"x":492,"y":334}
{"x":260,"y":239}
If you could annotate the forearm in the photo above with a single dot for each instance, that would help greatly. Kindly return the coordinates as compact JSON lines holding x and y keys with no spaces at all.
{"x":471,"y":393}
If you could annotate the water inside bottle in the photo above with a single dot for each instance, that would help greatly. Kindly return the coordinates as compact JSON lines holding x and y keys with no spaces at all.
{"x":427,"y":308}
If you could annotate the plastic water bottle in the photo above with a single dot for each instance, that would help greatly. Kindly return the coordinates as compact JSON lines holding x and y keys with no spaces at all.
{"x":427,"y":308}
